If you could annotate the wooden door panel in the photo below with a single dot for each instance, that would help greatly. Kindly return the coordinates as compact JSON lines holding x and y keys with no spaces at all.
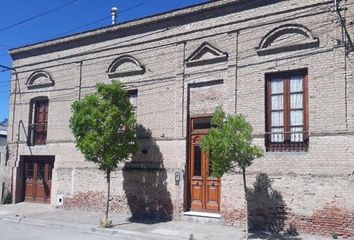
{"x":40,"y":194}
{"x":48,"y":190}
{"x":205,"y":190}
{"x":212,"y":194}
{"x":38,"y":174}
{"x":29,"y":191}
{"x":197,"y":194}
{"x":29,"y":181}
{"x":197,"y":187}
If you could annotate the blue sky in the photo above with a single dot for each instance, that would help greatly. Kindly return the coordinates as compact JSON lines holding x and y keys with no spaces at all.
{"x":70,"y":16}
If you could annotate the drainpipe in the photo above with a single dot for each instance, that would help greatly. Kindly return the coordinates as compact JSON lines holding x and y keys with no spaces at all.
{"x":80,"y":79}
{"x":14,"y":104}
{"x":236,"y":71}
{"x":335,"y":3}
{"x":15,"y":163}
{"x":347,"y":41}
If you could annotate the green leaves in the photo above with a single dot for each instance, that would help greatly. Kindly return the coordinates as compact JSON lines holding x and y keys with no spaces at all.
{"x":229,"y":143}
{"x":104,"y":126}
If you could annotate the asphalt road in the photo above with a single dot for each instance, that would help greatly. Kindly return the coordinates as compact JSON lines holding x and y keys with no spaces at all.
{"x":16,"y":231}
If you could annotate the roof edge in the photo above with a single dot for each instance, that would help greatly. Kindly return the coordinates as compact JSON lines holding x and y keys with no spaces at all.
{"x":129,"y":24}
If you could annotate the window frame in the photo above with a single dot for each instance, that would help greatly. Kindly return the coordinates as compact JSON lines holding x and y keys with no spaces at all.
{"x":194,"y":118}
{"x":31,"y":141}
{"x":287,"y":144}
{"x":130,"y":93}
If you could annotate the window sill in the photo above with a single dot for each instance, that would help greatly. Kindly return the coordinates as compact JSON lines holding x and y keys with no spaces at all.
{"x":286,"y":155}
{"x":36,"y":145}
{"x":287,"y":147}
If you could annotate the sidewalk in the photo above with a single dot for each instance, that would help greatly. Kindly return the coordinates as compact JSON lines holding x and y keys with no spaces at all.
{"x":47,"y":216}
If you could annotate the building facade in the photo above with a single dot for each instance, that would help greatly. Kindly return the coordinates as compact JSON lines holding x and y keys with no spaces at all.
{"x":4,"y":172}
{"x":286,"y":65}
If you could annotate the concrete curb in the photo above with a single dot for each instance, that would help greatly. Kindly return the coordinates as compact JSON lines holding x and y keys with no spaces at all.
{"x":89,"y":229}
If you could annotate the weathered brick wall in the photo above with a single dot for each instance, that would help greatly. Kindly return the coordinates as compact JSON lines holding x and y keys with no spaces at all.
{"x":315,"y":204}
{"x":310,"y":185}
{"x":146,"y":182}
{"x":5,"y":174}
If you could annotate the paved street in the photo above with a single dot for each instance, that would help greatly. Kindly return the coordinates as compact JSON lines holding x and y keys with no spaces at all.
{"x":26,"y":221}
{"x":16,"y":231}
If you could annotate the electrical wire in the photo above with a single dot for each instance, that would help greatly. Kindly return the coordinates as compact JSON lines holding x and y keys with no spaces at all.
{"x":155,"y":77}
{"x":38,"y":15}
{"x":117,"y":45}
{"x":108,"y":60}
{"x":85,"y":25}
{"x":294,"y":15}
{"x":88,"y":24}
{"x":94,"y":22}
{"x":245,"y":40}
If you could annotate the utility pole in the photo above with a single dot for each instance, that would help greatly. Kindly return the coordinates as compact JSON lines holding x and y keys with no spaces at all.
{"x":5,"y":68}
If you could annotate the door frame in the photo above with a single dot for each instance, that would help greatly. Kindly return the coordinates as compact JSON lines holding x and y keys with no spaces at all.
{"x":38,"y":158}
{"x":193,"y":132}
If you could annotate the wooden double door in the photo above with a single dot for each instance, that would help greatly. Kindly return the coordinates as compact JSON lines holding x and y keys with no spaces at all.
{"x":204,"y":189}
{"x":38,"y":178}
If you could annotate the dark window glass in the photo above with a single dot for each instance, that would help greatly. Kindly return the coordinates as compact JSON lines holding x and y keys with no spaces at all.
{"x":30,"y":167}
{"x":210,"y":172}
{"x":41,"y":171}
{"x":202,"y":123}
{"x":51,"y":166}
{"x":133,"y":98}
{"x":197,"y":161}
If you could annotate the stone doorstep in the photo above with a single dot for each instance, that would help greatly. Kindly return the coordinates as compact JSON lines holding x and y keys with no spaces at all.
{"x":202,"y":214}
{"x":202,"y":217}
{"x":88,"y":229}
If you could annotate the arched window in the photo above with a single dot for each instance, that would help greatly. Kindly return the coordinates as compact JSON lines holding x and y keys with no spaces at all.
{"x":285,"y":38}
{"x":39,"y":79}
{"x":125,"y":66}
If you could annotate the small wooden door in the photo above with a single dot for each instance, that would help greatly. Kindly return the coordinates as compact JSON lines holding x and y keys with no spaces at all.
{"x":204,"y":189}
{"x":38,"y":179}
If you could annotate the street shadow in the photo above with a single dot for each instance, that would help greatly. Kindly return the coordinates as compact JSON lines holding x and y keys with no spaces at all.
{"x":145,"y":182}
{"x":266,"y":210}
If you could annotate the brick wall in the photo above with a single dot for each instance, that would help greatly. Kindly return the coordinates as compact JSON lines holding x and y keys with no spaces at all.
{"x":5,"y":174}
{"x":310,"y":189}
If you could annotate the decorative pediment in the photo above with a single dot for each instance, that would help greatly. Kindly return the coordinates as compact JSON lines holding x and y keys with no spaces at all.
{"x":206,"y":54}
{"x":39,"y":79}
{"x":125,"y":66}
{"x":288,"y":37}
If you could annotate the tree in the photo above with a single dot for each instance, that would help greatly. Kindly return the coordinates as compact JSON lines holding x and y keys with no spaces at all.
{"x":104,"y":127}
{"x":229,"y":145}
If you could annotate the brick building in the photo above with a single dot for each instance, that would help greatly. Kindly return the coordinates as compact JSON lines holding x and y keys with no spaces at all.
{"x":3,"y":171}
{"x":286,"y":65}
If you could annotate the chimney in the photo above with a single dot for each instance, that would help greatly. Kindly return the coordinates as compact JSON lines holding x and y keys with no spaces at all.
{"x":114,"y":12}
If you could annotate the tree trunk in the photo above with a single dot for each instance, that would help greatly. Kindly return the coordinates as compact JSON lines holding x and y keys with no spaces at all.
{"x":108,"y":193}
{"x":246,"y":200}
